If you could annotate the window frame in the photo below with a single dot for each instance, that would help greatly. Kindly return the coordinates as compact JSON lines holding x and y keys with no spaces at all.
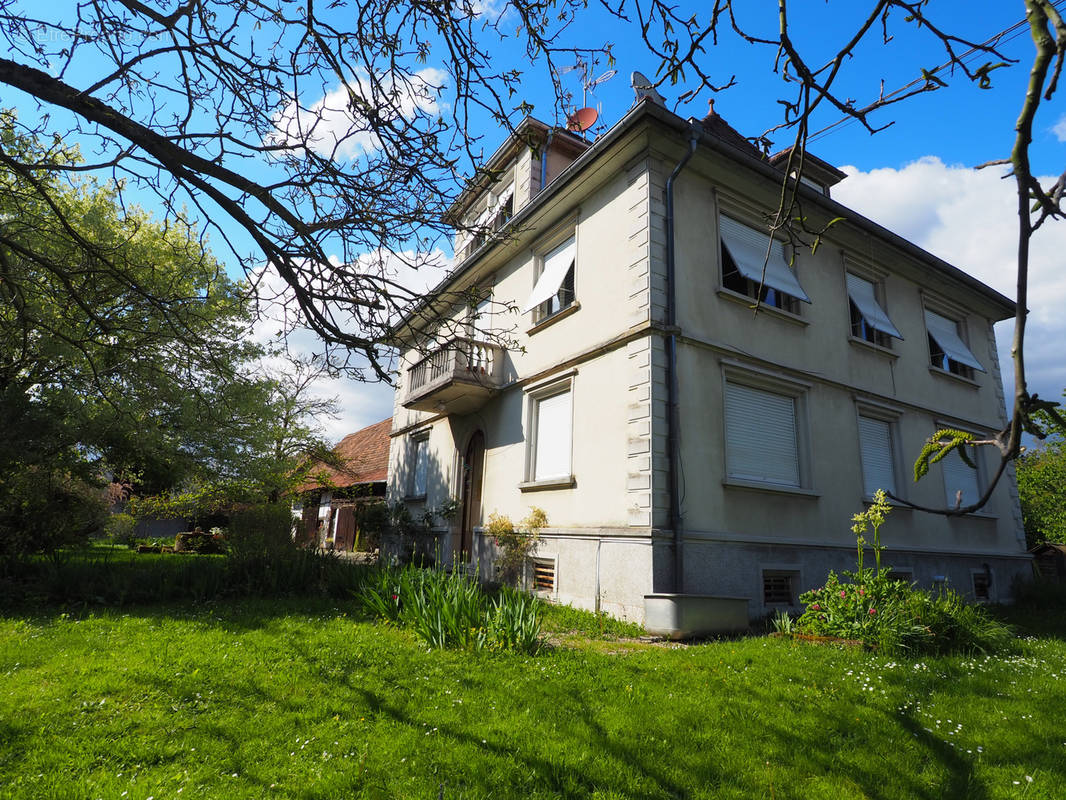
{"x":534,"y":397}
{"x":989,"y":595}
{"x":891,"y":418}
{"x":979,"y":474}
{"x":772,"y":384}
{"x":565,"y":296}
{"x":792,"y":573}
{"x":940,"y":362}
{"x":861,"y":330}
{"x":732,"y":280}
{"x":415,"y":441}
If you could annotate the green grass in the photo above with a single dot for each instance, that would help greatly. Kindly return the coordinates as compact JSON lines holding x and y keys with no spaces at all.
{"x":305,"y":698}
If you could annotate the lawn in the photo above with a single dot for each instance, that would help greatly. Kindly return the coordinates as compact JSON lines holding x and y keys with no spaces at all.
{"x":305,"y":698}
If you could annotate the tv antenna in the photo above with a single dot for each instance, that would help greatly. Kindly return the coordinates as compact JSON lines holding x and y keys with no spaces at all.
{"x":645,"y":88}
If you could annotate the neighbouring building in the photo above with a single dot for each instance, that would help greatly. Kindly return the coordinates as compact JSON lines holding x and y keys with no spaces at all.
{"x":678,"y":441}
{"x":324,"y":508}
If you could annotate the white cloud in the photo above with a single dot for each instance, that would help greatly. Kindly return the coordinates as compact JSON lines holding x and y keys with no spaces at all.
{"x":332,"y":127}
{"x":1059,"y":129}
{"x":969,"y":218}
{"x":362,"y":403}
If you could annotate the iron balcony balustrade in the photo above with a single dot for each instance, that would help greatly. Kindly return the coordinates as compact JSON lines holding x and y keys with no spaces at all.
{"x":456,"y":378}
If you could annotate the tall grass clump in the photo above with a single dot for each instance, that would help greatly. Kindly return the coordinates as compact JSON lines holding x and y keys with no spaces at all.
{"x":871,"y":606}
{"x":452,"y":610}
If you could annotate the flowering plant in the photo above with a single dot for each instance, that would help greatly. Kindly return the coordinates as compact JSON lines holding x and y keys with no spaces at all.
{"x":872,"y":606}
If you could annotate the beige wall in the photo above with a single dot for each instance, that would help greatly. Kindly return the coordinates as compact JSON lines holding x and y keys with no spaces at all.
{"x":613,"y":352}
{"x":815,"y":349}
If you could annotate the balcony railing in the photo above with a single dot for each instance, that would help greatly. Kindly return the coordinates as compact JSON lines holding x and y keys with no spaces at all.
{"x":458,"y":377}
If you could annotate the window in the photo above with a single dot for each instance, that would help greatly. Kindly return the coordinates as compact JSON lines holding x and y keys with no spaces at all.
{"x":947,"y":350}
{"x":878,"y":455}
{"x":550,"y":442}
{"x":419,"y":465}
{"x":761,"y":435}
{"x":503,"y":209}
{"x":778,"y":588}
{"x":745,"y":252}
{"x":962,"y":483}
{"x":554,"y":289}
{"x":982,"y":584}
{"x":869,"y":321}
{"x":544,"y":576}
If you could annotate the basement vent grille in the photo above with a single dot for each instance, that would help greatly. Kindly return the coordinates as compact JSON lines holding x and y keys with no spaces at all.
{"x":982,"y":585}
{"x":777,"y":588}
{"x":544,"y":575}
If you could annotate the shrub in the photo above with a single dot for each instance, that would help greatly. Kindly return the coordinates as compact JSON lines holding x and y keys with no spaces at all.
{"x":43,"y":511}
{"x":371,"y":522}
{"x":260,"y":530}
{"x":515,"y":546}
{"x":452,"y":610}
{"x":121,"y":529}
{"x":871,"y":607}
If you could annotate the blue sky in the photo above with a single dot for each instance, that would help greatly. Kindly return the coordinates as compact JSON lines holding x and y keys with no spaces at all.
{"x":915,"y":177}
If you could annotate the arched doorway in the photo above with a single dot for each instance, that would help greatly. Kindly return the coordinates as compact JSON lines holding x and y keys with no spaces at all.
{"x":473,"y":470}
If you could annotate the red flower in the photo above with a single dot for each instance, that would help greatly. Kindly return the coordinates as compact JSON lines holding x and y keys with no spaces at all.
{"x":843,"y":593}
{"x":873,"y":610}
{"x":816,"y":607}
{"x":862,"y":591}
{"x":395,"y":597}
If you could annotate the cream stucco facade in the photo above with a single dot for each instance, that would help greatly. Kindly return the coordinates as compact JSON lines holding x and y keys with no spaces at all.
{"x":574,"y":414}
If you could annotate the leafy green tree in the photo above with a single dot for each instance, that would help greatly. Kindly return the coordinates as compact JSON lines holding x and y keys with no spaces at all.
{"x":1042,"y":483}
{"x":125,"y":351}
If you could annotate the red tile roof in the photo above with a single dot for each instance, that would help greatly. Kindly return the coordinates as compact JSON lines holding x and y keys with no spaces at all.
{"x":365,"y":454}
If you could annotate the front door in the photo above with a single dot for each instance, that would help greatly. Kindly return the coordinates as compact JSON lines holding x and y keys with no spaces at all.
{"x":473,"y":468}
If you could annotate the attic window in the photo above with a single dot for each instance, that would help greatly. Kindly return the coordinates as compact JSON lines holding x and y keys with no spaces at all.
{"x":869,"y":320}
{"x":947,"y":350}
{"x":745,"y":252}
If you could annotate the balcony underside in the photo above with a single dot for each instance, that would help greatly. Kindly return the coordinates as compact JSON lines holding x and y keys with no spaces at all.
{"x":450,"y":395}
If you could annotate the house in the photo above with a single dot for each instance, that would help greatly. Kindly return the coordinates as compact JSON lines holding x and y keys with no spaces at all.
{"x":678,"y":441}
{"x":325,"y":504}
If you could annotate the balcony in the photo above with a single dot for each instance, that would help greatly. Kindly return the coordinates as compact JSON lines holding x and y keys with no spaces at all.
{"x":457,"y":378}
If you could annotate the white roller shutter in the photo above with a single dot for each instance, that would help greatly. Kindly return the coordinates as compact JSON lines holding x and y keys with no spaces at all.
{"x":958,"y":475}
{"x":761,"y":442}
{"x":875,"y":444}
{"x":420,"y":454}
{"x":552,"y":454}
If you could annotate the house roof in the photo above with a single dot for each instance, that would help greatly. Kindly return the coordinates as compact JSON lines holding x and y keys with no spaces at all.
{"x":724,"y":139}
{"x":525,"y":132}
{"x":716,"y":125}
{"x":365,"y":455}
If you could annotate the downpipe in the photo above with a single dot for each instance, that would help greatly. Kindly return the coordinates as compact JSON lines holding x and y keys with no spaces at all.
{"x":673,"y":414}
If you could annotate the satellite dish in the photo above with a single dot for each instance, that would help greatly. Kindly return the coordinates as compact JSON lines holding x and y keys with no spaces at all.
{"x":582,"y":119}
{"x":644,"y":88}
{"x":602,"y":79}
